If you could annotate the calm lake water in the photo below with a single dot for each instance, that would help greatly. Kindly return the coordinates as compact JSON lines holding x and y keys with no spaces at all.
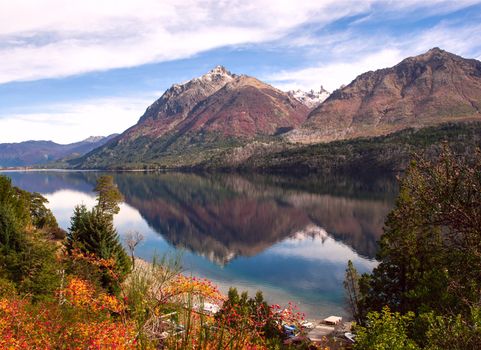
{"x":289,"y":237}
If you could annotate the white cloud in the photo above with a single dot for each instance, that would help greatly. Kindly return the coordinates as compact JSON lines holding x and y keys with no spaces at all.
{"x":55,"y":38}
{"x":66,"y":123}
{"x":333,"y":75}
{"x":456,"y":38}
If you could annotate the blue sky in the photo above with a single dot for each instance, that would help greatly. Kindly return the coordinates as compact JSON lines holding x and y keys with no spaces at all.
{"x":74,"y":69}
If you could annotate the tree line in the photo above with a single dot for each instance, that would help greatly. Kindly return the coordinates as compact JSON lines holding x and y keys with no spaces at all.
{"x":426,"y":291}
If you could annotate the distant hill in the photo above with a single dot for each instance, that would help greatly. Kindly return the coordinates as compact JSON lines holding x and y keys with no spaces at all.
{"x":194,"y":120}
{"x":425,"y":90}
{"x":42,"y":152}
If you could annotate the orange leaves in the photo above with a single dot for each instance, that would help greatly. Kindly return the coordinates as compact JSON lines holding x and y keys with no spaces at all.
{"x":110,"y":303}
{"x":194,"y":286}
{"x":24,"y":327}
{"x":91,"y":258}
{"x":81,"y":294}
{"x":86,"y":317}
{"x":105,"y":334}
{"x":82,"y":320}
{"x":78,"y":293}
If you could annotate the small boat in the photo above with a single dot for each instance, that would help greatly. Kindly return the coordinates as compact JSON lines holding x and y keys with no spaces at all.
{"x":350,"y":336}
{"x":307,"y":325}
{"x":290,"y":331}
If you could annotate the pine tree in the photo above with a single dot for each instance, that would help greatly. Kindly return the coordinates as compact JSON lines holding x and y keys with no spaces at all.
{"x":27,"y":259}
{"x":93,"y":232}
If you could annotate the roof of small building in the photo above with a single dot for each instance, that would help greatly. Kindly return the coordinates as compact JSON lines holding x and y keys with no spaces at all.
{"x":333,"y":319}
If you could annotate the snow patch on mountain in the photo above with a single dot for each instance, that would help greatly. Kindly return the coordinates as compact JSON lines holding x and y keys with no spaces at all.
{"x":311,"y":98}
{"x":93,"y":139}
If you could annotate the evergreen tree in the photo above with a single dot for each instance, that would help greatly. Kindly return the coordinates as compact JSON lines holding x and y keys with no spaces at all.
{"x":42,"y":217}
{"x":92,"y":231}
{"x":430,"y":256}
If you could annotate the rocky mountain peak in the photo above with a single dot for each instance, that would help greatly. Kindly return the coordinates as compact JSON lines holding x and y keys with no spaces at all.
{"x":216,"y":74}
{"x":181,"y":98}
{"x":219,"y":70}
{"x":203,"y":113}
{"x":435,"y":58}
{"x":436,"y":50}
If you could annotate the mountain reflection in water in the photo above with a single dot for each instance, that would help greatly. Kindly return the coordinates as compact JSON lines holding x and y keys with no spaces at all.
{"x":290,"y":237}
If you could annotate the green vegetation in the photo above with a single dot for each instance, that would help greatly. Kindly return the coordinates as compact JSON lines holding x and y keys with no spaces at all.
{"x":27,"y":260}
{"x":430,"y":260}
{"x":363,"y":156}
{"x":386,"y":330}
{"x":167,"y":152}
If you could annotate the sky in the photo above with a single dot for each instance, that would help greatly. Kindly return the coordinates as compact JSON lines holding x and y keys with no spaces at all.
{"x":74,"y":69}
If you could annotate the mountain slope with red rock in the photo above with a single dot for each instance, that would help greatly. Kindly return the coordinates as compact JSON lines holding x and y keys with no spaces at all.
{"x":209,"y":112}
{"x":420,"y":91}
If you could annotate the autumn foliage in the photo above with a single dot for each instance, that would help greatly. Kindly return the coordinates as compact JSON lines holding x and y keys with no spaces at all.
{"x":79,"y":318}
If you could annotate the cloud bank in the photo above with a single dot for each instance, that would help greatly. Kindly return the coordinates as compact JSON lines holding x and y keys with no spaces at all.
{"x":56,"y":38}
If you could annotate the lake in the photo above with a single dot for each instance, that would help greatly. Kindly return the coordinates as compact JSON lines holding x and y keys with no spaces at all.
{"x":290,"y":237}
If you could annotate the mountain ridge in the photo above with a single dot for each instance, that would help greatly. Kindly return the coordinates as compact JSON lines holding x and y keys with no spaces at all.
{"x":212,"y":112}
{"x":221,"y":119}
{"x":311,"y":98}
{"x":40,"y":152}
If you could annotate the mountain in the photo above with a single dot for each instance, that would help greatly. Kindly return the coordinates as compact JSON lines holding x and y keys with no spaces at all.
{"x":194,"y":120}
{"x":420,"y":91}
{"x":41,"y":152}
{"x":310,"y":98}
{"x":223,"y":120}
